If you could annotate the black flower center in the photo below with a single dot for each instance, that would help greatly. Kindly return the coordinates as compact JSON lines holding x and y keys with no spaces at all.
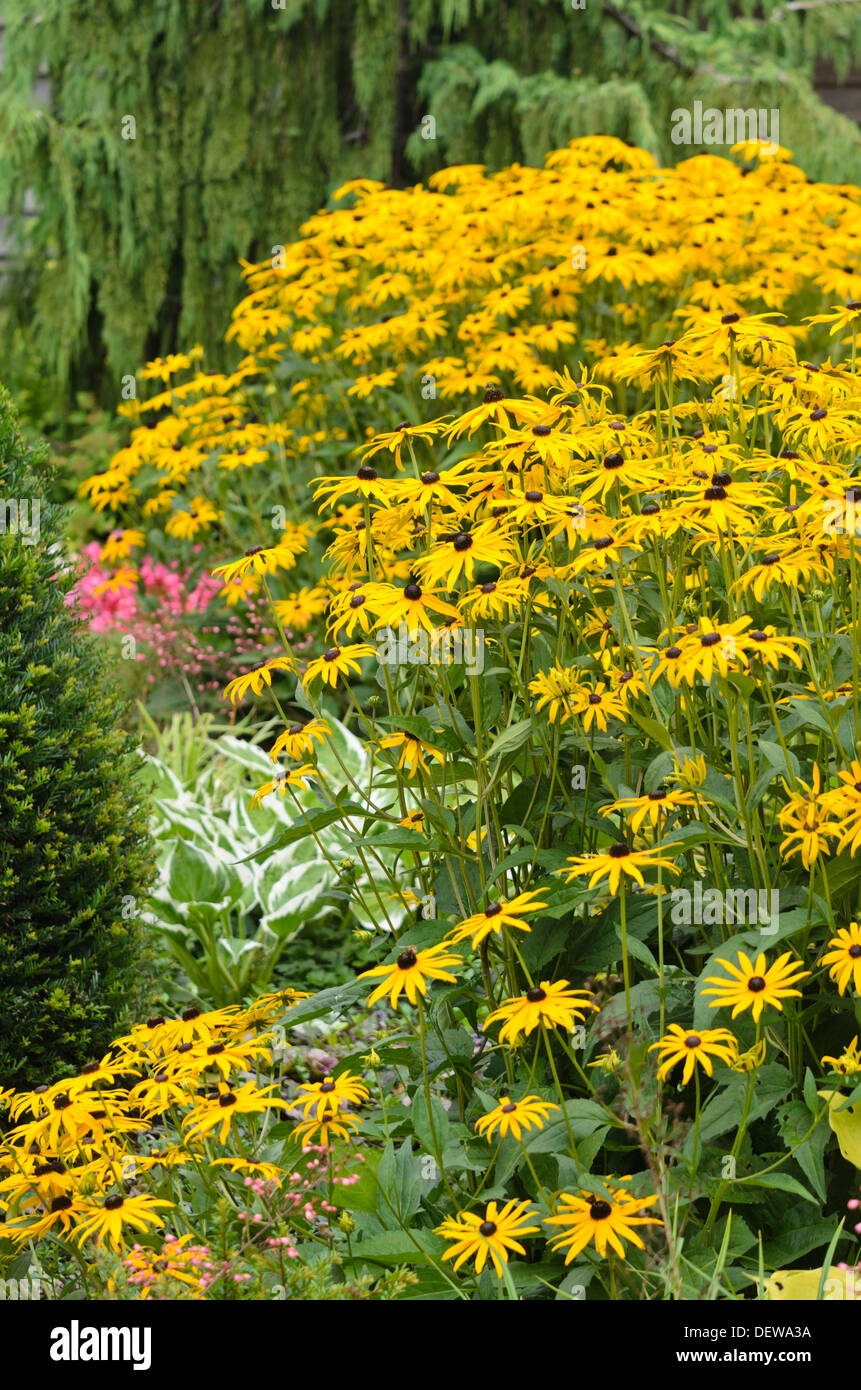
{"x":487,"y":1228}
{"x":614,"y":461}
{"x":534,"y":496}
{"x":407,"y":959}
{"x":756,"y":983}
{"x":509,"y":1108}
{"x":709,"y":639}
{"x":327,"y":1087}
{"x":493,"y":909}
{"x":114,"y":1203}
{"x":463,"y":541}
{"x":227,"y":1099}
{"x":854,"y":952}
{"x":618,"y":851}
{"x":430,"y":478}
{"x":536,"y":994}
{"x":693,"y":1040}
{"x":599,"y":1211}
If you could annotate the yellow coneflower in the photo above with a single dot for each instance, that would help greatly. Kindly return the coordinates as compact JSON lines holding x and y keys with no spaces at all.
{"x":544,"y":1005}
{"x":692,"y":1046}
{"x":409,"y":973}
{"x":512,"y":1116}
{"x":498,"y":915}
{"x":604,"y":1220}
{"x":753,"y":986}
{"x":844,"y":959}
{"x":618,"y":861}
{"x":492,"y":1236}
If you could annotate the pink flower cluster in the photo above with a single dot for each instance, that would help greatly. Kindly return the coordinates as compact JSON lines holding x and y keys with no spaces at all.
{"x":109,"y":607}
{"x":167,"y":621}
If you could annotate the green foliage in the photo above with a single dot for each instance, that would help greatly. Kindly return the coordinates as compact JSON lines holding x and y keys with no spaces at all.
{"x":73,"y":851}
{"x":247,"y":894}
{"x":247,"y":117}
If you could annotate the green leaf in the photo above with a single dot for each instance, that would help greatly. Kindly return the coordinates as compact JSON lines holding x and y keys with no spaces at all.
{"x":511,"y":739}
{"x":656,"y":731}
{"x":195,"y":876}
{"x":397,"y":1248}
{"x":781,"y":1181}
{"x":584,"y":1117}
{"x":799,"y":1233}
{"x":327,"y":1001}
{"x":300,"y":829}
{"x":794,"y":1121}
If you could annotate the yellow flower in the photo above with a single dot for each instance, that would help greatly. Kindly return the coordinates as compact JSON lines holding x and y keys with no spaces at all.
{"x":413,"y":752}
{"x":650,"y":807}
{"x":317,"y":1131}
{"x":750,"y":1060}
{"x":754,"y":986}
{"x":200,"y":515}
{"x":849,"y":1061}
{"x":690,"y":1046}
{"x":106,"y":1220}
{"x":244,"y":1100}
{"x":337,"y":661}
{"x":256,"y":679}
{"x":615,"y":862}
{"x":493,"y":1235}
{"x":410,"y":972}
{"x":529,"y":1112}
{"x":284,"y":778}
{"x":298,"y":741}
{"x":547,"y":1005}
{"x":498,"y":915}
{"x":119,"y":545}
{"x":605,"y":1220}
{"x":330,"y":1096}
{"x":845,"y":958}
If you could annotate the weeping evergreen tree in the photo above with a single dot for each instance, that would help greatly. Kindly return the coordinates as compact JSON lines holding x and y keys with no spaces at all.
{"x":183,"y":135}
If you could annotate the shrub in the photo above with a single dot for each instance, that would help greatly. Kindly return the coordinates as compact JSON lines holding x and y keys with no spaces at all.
{"x":74,"y":851}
